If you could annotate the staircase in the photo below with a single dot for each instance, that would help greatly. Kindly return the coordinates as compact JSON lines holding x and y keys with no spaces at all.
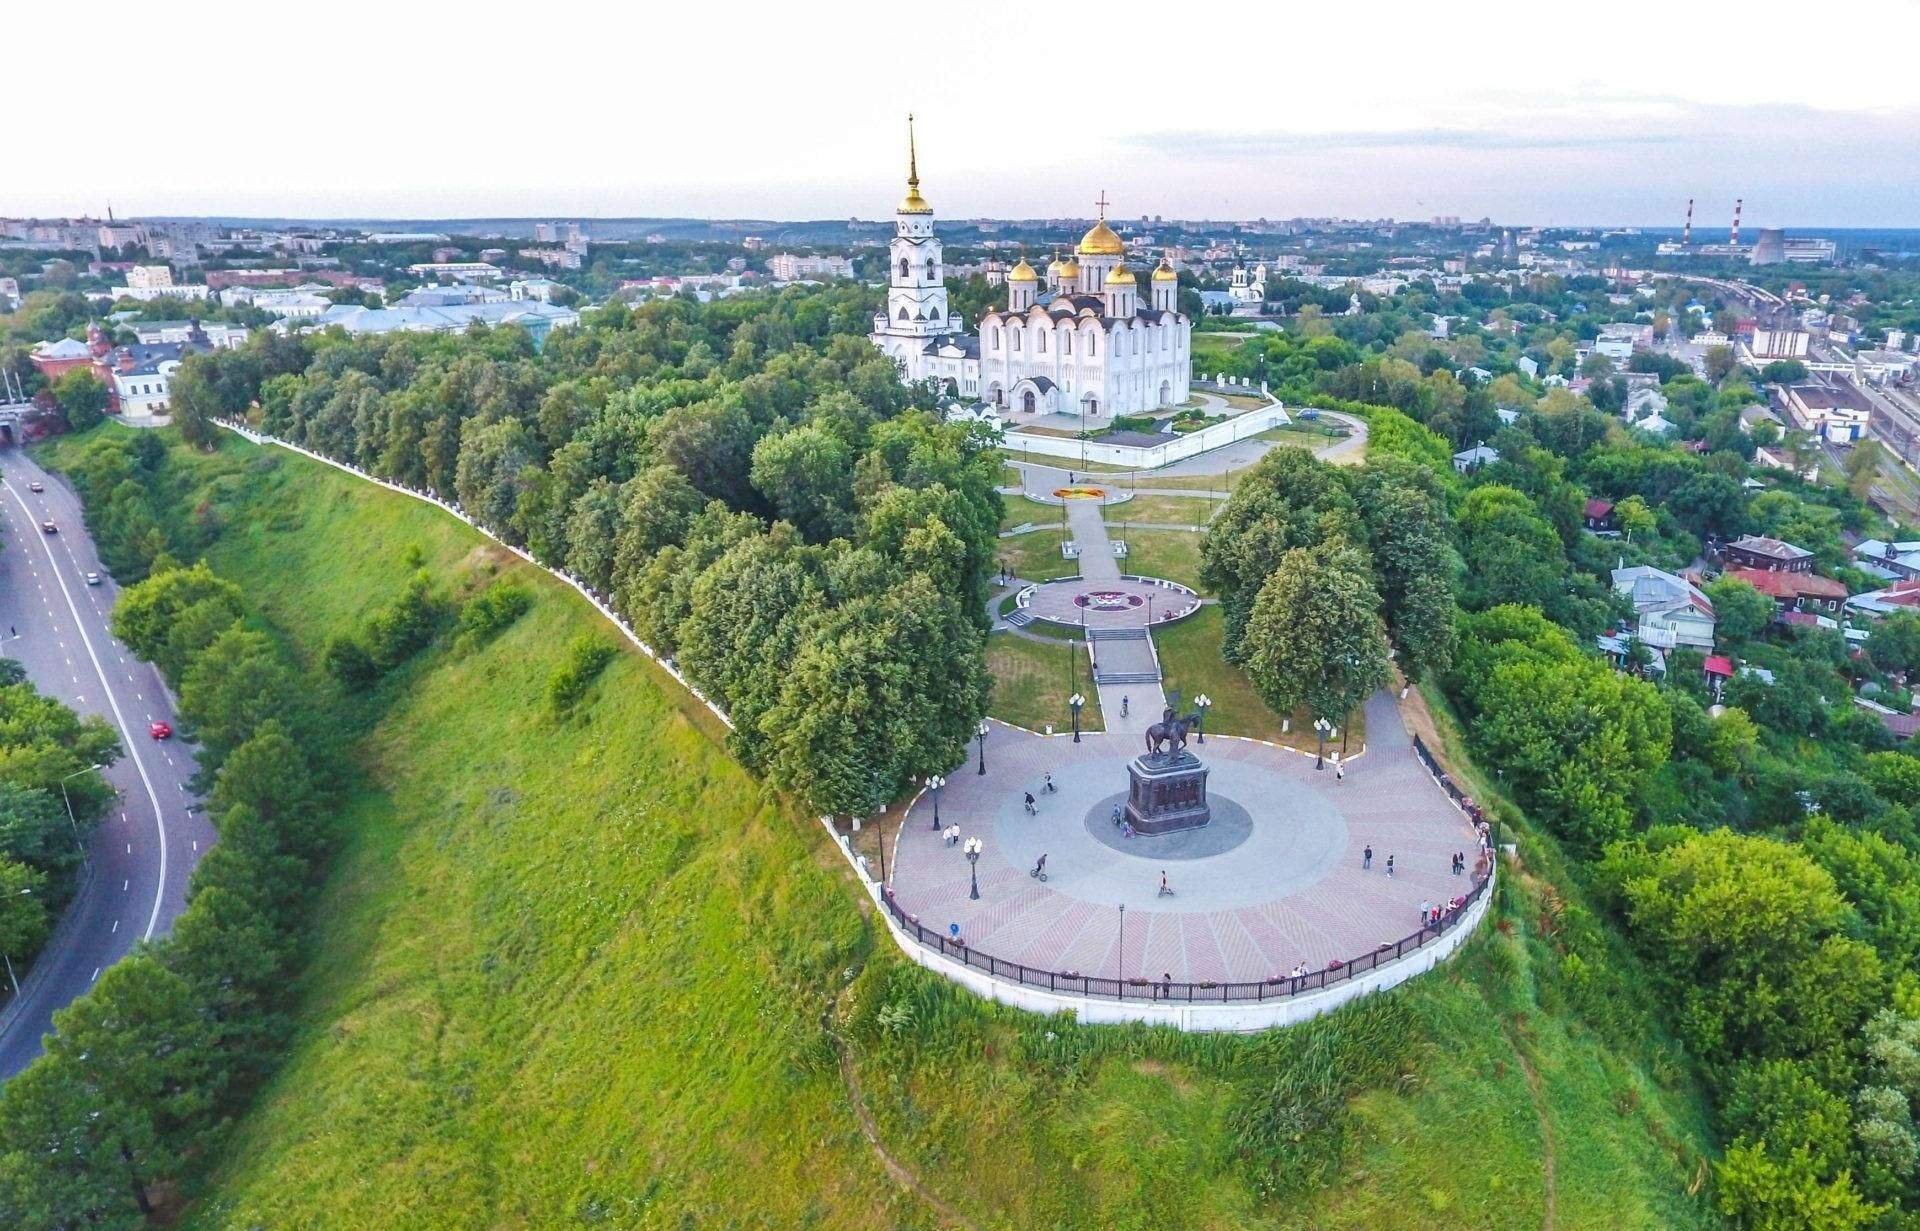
{"x":1124,"y":656}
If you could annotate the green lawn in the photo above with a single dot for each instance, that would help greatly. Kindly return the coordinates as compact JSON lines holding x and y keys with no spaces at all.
{"x":1018,"y":510}
{"x":1032,"y":681}
{"x":576,"y":974}
{"x":1170,"y":510}
{"x":1036,"y":556}
{"x":1171,"y":554}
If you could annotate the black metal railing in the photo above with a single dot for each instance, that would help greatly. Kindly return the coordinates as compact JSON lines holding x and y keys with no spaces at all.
{"x":1277,"y":987}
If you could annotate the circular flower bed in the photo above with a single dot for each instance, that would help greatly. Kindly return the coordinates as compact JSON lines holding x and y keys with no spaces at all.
{"x":1080,"y":493}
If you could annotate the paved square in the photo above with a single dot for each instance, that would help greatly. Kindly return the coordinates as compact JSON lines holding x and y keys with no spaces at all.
{"x":1290,"y":889}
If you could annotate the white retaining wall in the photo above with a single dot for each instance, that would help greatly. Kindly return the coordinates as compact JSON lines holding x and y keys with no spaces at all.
{"x":1152,"y":457}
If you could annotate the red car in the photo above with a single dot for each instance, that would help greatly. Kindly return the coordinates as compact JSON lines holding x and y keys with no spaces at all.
{"x":160,"y":730}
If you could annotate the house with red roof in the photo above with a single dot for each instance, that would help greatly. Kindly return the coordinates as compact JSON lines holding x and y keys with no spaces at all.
{"x":1806,"y":593}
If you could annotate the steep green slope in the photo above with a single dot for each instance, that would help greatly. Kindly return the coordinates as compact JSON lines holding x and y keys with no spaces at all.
{"x":575,"y":971}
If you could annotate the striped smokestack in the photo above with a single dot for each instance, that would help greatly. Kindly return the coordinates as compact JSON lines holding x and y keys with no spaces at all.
{"x":1734,"y":239}
{"x":1686,"y":237}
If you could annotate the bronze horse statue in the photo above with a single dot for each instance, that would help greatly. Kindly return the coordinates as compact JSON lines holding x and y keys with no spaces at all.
{"x":1170,"y":732}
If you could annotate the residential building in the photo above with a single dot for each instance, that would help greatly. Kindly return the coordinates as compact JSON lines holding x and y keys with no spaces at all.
{"x":538,"y":319}
{"x":457,"y":270}
{"x":1888,"y":560}
{"x":789,"y":267}
{"x":1768,"y":555}
{"x":291,"y":305}
{"x":457,"y":295}
{"x":1804,"y":593}
{"x":1468,"y":460}
{"x":552,"y":258}
{"x":215,"y":335}
{"x":56,"y":359}
{"x":1670,"y":609}
{"x":1902,"y":595}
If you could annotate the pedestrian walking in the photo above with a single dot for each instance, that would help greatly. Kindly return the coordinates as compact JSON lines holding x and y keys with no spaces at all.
{"x":1124,"y":702}
{"x":1031,"y":810}
{"x":1050,"y":787}
{"x":1389,"y":867}
{"x":1339,"y":771}
{"x":1366,"y":858}
{"x":1165,"y":890}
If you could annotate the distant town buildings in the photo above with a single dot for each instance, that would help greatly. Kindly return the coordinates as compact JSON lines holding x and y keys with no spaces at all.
{"x":789,"y":267}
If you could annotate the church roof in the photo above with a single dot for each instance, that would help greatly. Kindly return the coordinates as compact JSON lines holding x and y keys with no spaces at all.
{"x":1101,"y":241}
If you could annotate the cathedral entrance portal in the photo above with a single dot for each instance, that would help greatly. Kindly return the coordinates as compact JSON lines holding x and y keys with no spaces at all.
{"x":1166,"y":393}
{"x":1026,"y":401}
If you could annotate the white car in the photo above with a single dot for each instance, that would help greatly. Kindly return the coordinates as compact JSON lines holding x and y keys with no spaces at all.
{"x":93,"y":579}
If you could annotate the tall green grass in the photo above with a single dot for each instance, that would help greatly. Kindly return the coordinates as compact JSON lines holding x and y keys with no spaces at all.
{"x":577,"y":971}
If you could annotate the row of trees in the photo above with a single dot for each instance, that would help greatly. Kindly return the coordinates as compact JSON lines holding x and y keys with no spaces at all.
{"x":51,"y":796}
{"x":143,"y":1071}
{"x":748,"y":484}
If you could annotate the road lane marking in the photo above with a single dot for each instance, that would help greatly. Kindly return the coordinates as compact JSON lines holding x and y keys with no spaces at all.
{"x":153,"y":796}
{"x":96,"y":974}
{"x":124,"y":885}
{"x":115,"y":929}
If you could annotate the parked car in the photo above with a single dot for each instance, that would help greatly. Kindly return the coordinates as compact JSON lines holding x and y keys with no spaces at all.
{"x":160,"y":730}
{"x":36,"y":486}
{"x":47,"y":527}
{"x":93,"y":579}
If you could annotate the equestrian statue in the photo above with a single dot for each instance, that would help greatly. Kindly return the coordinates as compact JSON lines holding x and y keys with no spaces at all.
{"x":1170,"y":733}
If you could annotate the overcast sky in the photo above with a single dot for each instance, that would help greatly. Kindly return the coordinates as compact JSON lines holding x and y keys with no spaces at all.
{"x":1530,"y":113}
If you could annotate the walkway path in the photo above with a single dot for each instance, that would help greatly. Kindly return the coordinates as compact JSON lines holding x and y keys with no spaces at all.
{"x":1090,"y":536}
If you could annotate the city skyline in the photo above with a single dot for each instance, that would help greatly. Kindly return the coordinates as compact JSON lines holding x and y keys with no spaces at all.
{"x":1512,"y":114}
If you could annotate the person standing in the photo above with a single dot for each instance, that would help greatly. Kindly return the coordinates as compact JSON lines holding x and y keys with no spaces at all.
{"x":1366,"y":858}
{"x":1339,"y":771}
{"x":1389,"y":867}
{"x":1426,"y":912}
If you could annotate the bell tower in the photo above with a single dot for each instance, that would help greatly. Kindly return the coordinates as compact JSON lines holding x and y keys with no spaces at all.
{"x":916,"y":281}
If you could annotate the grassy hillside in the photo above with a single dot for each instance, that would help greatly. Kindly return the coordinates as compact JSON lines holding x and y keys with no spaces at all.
{"x":582,"y":972}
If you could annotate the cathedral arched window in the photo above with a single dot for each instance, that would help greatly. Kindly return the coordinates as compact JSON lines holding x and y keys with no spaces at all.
{"x":996,"y":337}
{"x":934,"y":313}
{"x":1066,"y":343}
{"x":1093,"y":344}
{"x":903,"y":312}
{"x":1016,"y":339}
{"x":905,"y":271}
{"x":929,"y":269}
{"x":1042,"y":341}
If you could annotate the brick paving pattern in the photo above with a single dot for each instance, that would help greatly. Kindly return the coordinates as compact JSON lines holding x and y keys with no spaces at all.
{"x":1293,"y":891}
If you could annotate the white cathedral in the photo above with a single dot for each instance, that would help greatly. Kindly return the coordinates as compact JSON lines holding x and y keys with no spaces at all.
{"x":1085,"y":345}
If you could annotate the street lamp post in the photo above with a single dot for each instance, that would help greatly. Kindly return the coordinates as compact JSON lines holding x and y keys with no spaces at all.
{"x":981,"y":734}
{"x":71,"y":822}
{"x":1074,"y":703}
{"x":1200,"y":704}
{"x":972,"y":848}
{"x":1321,"y":726}
{"x":934,"y":784}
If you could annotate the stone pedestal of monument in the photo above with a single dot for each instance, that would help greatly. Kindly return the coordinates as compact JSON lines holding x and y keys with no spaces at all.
{"x":1167,"y":793}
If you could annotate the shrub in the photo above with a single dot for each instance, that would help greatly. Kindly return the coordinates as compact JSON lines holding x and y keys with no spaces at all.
{"x":586,"y":658}
{"x":487,"y":614}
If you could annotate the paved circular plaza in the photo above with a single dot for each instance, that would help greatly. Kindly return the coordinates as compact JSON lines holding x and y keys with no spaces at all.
{"x":1274,"y":880}
{"x":1111,"y":603}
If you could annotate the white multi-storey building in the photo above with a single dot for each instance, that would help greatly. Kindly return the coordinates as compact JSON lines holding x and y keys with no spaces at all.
{"x":1085,"y":345}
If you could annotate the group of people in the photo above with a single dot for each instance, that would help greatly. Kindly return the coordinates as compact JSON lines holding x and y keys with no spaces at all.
{"x":951,"y":835}
{"x":1046,"y":788}
{"x":1366,"y":860}
{"x":1432,"y":914}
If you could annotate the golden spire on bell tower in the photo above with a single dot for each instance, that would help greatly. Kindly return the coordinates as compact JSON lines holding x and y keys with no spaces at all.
{"x":913,"y":202}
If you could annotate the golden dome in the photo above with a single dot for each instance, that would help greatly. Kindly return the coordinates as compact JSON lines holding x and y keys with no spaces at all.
{"x":1071,"y":269}
{"x":1165,"y":272}
{"x":1122,"y":276}
{"x":1101,"y":241}
{"x":1022,"y":272}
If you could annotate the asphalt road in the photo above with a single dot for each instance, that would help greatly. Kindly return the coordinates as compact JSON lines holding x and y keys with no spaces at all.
{"x":145,"y":848}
